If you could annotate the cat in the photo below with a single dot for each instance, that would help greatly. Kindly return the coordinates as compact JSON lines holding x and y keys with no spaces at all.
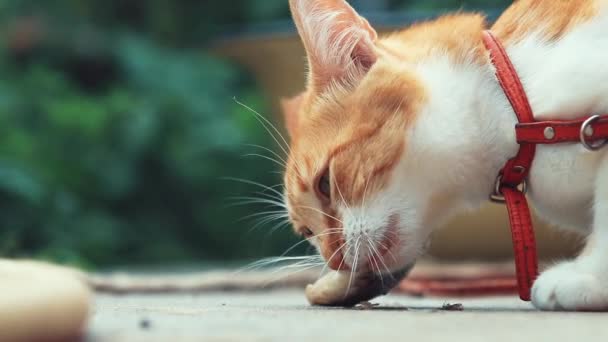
{"x":395,"y":134}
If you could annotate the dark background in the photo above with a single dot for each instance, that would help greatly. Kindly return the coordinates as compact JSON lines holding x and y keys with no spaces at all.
{"x":118,"y":129}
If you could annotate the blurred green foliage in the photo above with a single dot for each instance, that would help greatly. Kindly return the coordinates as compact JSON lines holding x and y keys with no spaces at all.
{"x":117,"y":129}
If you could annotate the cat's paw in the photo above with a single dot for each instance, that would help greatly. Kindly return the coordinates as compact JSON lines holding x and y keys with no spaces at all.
{"x":571,"y":287}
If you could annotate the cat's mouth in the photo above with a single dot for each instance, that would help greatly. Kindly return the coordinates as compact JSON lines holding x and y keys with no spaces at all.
{"x":375,"y":285}
{"x":396,"y":277}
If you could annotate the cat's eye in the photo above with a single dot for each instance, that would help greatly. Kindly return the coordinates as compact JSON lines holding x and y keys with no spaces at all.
{"x":324,"y":185}
{"x":307,"y":233}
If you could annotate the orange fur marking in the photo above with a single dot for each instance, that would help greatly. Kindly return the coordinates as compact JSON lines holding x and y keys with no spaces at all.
{"x":457,"y":35}
{"x":551,"y":18}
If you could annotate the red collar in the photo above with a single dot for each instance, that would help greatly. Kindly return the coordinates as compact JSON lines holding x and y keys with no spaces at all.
{"x":591,"y":132}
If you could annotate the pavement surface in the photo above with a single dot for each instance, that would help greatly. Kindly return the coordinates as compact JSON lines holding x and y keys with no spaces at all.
{"x":286,"y":316}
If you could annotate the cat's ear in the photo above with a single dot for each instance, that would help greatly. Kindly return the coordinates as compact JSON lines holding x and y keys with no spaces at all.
{"x":291,"y":109}
{"x":340,"y":44}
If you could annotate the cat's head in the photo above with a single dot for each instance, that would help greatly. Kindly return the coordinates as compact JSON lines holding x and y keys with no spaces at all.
{"x":356,"y":187}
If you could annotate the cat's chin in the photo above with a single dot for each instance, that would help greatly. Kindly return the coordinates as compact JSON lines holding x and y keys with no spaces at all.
{"x":337,"y":289}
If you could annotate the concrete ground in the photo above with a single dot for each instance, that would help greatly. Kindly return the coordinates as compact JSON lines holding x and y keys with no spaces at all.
{"x":285,"y":316}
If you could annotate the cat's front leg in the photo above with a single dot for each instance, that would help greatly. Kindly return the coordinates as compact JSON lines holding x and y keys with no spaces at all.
{"x":581,"y":284}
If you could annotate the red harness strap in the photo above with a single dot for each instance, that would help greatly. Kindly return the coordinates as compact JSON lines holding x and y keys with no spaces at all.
{"x":592,"y":132}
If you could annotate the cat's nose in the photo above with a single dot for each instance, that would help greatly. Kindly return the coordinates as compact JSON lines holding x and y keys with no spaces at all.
{"x":331,"y":248}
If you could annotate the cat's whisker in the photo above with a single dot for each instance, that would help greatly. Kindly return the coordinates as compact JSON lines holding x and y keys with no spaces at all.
{"x":271,"y":196}
{"x":266,"y":123}
{"x":311,"y":261}
{"x":306,"y":263}
{"x":325,"y":233}
{"x":279,"y":226}
{"x":268,"y":220}
{"x":354,"y":268}
{"x":263,"y":213}
{"x":279,"y":185}
{"x":328,"y":232}
{"x":281,"y":274}
{"x":272,"y":261}
{"x":268,"y":206}
{"x":245,"y":200}
{"x":284,"y":146}
{"x":344,"y":254}
{"x":267,"y":216}
{"x":379,"y":256}
{"x":363,"y":204}
{"x":280,"y":259}
{"x":297,"y":265}
{"x":269,"y":203}
{"x":294,"y":247}
{"x":343,"y":200}
{"x":249,"y":202}
{"x":279,"y":157}
{"x":335,"y":229}
{"x":280,"y":214}
{"x":282,"y":222}
{"x":265,"y":157}
{"x":374,"y":262}
{"x":331,"y":258}
{"x":274,"y":195}
{"x":250,"y":182}
{"x":320,"y":212}
{"x":388,"y":250}
{"x":289,"y":274}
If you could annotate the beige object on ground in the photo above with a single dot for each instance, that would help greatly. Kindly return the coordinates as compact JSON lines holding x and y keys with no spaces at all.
{"x":330,"y":288}
{"x":42,"y":302}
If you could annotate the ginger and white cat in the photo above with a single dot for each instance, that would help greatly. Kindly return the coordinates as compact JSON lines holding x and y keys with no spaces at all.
{"x":395,"y":134}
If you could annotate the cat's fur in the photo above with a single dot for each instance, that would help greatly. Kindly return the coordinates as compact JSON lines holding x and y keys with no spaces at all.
{"x":414,"y":127}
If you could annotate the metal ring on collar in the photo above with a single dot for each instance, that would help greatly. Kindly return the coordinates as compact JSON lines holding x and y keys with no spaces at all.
{"x":498,"y":197}
{"x":587,"y":131}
